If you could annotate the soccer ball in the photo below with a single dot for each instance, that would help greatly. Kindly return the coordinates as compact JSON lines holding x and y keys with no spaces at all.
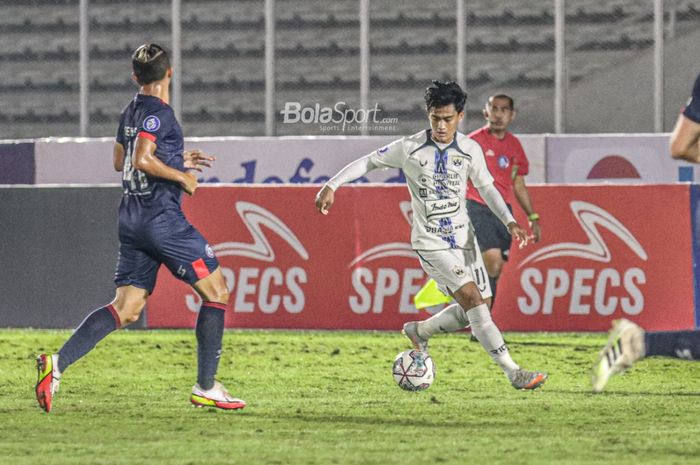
{"x":414,"y":370}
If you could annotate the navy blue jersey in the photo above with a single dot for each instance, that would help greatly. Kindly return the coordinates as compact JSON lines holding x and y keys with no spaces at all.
{"x":153,"y":229}
{"x":150,"y":117}
{"x":692,"y":110}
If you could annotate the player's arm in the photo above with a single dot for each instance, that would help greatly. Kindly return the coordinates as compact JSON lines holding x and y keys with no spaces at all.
{"x":118,"y":157}
{"x":685,"y":140}
{"x":521,"y":193}
{"x":352,"y":171}
{"x":145,"y":160}
{"x":391,"y":156}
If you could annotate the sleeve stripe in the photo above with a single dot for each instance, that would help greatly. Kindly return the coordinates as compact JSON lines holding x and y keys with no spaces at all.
{"x":147,"y":135}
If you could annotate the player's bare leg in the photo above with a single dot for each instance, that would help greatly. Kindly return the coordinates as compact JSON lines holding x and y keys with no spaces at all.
{"x":129,"y":302}
{"x":208,"y":392}
{"x":491,"y":339}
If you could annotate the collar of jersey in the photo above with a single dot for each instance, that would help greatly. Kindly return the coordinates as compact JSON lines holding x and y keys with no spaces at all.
{"x":429,"y":141}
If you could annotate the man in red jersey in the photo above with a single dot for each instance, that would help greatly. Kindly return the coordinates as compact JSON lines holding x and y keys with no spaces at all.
{"x":506,"y":160}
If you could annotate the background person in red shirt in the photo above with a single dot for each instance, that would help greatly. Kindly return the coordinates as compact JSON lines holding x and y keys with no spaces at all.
{"x":508,"y":164}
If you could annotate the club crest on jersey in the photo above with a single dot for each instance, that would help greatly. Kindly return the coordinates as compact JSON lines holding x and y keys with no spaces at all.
{"x":503,"y":162}
{"x":209,"y":251}
{"x":457,"y":162}
{"x":151,"y":124}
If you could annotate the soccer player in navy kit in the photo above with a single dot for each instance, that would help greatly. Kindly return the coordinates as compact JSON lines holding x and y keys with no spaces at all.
{"x":628,"y":342}
{"x":153,"y":230}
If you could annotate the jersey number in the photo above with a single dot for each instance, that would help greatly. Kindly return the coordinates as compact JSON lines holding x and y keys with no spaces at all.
{"x":138,"y":183}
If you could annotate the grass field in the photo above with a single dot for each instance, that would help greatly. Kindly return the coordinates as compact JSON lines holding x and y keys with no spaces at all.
{"x":329,"y":398}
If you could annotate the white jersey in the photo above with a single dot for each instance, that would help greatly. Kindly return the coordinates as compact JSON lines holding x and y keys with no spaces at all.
{"x":437,"y":180}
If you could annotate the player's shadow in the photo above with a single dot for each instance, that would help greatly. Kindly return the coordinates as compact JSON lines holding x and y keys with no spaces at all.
{"x":372,"y":420}
{"x":618,"y":393}
{"x":575,"y":345}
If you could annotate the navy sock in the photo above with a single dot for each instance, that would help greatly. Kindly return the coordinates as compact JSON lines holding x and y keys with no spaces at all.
{"x":92,"y":330}
{"x":210,"y":332}
{"x":677,"y":344}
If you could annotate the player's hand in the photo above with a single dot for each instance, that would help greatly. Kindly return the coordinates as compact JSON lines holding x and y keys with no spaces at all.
{"x":536,"y":232}
{"x":189,"y":183}
{"x":519,"y":234}
{"x":324,"y":200}
{"x":195,"y":159}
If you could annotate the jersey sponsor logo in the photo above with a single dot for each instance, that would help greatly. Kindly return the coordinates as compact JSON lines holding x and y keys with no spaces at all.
{"x":422,"y":162}
{"x":382,"y":150}
{"x":209,"y":251}
{"x":458,"y":271}
{"x":588,"y":289}
{"x":151,"y":123}
{"x":444,"y":229}
{"x":490,"y":153}
{"x":457,"y":162}
{"x":503,"y":162}
{"x":442,"y":208}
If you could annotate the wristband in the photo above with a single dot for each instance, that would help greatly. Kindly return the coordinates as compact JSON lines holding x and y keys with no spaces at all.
{"x":533,"y":217}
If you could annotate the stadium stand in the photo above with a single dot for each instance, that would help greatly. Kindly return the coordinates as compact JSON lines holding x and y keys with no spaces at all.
{"x":509,"y":47}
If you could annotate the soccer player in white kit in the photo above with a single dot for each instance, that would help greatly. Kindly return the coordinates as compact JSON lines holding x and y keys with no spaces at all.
{"x":437,"y":164}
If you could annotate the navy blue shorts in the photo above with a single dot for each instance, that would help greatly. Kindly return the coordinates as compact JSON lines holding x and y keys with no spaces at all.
{"x":490,"y":232}
{"x":168,"y":239}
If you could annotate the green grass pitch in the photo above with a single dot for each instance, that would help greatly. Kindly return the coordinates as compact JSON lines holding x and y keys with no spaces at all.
{"x":328,"y":398}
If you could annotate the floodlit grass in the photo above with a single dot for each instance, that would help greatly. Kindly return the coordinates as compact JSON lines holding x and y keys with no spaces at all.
{"x":329,"y":398}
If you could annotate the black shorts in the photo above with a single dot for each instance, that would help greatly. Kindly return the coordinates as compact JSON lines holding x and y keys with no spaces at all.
{"x":490,"y":232}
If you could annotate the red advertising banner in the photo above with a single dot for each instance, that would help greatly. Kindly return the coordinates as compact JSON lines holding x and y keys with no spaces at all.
{"x":607,"y":252}
{"x":288,"y":266}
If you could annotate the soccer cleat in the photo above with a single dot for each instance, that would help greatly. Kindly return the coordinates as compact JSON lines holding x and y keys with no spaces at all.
{"x":410,"y":330}
{"x":625,"y":346}
{"x":217,"y":397}
{"x":523,"y":379}
{"x":47,"y":381}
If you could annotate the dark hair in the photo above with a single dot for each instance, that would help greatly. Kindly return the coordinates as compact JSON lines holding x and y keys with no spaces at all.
{"x":150,"y":63}
{"x":502,"y":96}
{"x":442,"y":94}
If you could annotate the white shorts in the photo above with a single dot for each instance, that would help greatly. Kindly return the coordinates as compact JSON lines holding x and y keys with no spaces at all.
{"x":453,"y":268}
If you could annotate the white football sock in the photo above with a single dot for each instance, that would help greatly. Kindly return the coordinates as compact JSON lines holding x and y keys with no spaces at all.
{"x":448,"y":320}
{"x":490,"y":338}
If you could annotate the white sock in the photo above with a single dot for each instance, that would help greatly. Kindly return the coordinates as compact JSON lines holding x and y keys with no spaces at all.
{"x":448,"y":320}
{"x":490,"y":338}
